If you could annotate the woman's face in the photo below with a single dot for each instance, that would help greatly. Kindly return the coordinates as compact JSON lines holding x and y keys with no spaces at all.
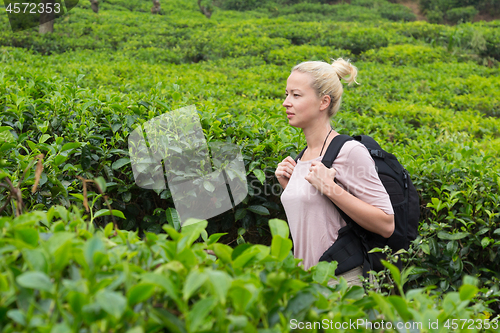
{"x":302,"y":103}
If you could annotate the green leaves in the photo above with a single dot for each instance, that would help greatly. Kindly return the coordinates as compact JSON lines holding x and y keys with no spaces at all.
{"x":140,"y":293}
{"x":36,"y":259}
{"x":194,"y":281}
{"x":220,"y":282}
{"x":324,"y":271}
{"x":214,"y":238}
{"x":5,"y":135}
{"x":279,"y":228}
{"x":193,"y":229}
{"x":111,"y":302}
{"x":70,"y":146}
{"x":173,"y":218}
{"x":223,"y":252}
{"x":261,"y":176}
{"x":27,"y":235}
{"x":257,"y":209}
{"x":467,"y":292}
{"x":241,"y":295}
{"x":162,"y":282}
{"x":122,"y":279}
{"x":250,"y":255}
{"x":99,"y":181}
{"x":35,"y":280}
{"x":454,"y":236}
{"x":120,"y":163}
{"x":106,"y":212}
{"x":280,"y":247}
{"x":92,"y":250}
{"x":199,"y":312}
{"x":86,"y":159}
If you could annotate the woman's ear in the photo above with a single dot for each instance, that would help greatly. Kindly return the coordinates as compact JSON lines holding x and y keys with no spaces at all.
{"x":325,"y":102}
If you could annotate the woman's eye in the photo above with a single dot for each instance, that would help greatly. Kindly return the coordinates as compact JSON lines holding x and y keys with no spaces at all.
{"x":296,"y":95}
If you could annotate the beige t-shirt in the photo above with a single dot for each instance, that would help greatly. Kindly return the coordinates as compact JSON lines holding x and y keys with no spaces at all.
{"x":313,"y":219}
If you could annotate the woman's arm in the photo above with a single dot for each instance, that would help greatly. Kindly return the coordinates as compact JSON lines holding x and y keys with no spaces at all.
{"x":369,"y":217}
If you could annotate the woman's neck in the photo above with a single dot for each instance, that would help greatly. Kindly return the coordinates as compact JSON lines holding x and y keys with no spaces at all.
{"x":316,"y":135}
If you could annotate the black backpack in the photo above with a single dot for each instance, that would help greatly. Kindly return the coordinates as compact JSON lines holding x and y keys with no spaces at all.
{"x":353,"y":243}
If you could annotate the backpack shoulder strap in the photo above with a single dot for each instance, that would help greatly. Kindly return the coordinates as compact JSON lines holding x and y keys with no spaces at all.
{"x":334,"y":148}
{"x":330,"y":155}
{"x":300,"y":154}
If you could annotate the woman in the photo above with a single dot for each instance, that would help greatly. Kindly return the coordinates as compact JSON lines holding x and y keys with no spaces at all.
{"x":313,"y":96}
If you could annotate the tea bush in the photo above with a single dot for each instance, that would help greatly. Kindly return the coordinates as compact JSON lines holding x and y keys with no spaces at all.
{"x":408,"y":54}
{"x":306,"y":12}
{"x":296,"y":53}
{"x":199,"y":38}
{"x":314,"y":10}
{"x":435,"y":16}
{"x":484,"y":6}
{"x":461,"y":14}
{"x":396,"y":12}
{"x":59,"y":273}
{"x":394,"y":84}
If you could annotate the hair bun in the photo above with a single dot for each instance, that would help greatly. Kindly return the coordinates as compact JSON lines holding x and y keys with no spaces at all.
{"x":345,"y":69}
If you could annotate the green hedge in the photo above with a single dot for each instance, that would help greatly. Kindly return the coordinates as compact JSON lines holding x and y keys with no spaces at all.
{"x":461,"y":14}
{"x":224,"y":36}
{"x":483,"y":6}
{"x":239,"y":101}
{"x":60,"y":274}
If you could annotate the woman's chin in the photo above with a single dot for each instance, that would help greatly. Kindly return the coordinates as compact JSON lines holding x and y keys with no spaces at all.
{"x":293,"y":123}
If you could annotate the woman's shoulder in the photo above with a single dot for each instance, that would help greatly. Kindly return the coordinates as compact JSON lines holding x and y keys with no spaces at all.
{"x":350,"y":147}
{"x":354,"y":152}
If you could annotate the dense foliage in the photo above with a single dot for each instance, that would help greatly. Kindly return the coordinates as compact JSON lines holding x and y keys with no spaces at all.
{"x":429,"y":93}
{"x":61,"y":275}
{"x":320,"y":10}
{"x":456,"y":11}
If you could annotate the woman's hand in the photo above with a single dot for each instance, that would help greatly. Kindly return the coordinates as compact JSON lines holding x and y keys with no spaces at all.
{"x":320,"y":176}
{"x":284,"y":171}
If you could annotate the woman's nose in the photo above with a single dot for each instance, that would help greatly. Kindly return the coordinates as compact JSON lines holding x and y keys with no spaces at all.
{"x":286,"y":102}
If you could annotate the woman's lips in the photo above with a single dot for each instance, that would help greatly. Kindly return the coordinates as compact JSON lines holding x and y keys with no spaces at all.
{"x":290,"y":115}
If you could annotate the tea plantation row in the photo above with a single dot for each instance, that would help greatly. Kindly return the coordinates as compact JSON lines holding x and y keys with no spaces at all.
{"x":60,"y":274}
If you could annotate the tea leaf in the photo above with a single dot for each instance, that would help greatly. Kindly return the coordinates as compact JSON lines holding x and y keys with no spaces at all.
{"x":279,"y":227}
{"x":106,"y":212}
{"x":194,"y":281}
{"x":120,"y":163}
{"x":261,"y":176}
{"x":35,"y":280}
{"x":455,"y":236}
{"x":280,"y":247}
{"x":140,"y":293}
{"x":112,"y":302}
{"x":257,"y":209}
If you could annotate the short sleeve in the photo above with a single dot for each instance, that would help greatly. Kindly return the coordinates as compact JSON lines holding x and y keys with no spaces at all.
{"x":357,"y":174}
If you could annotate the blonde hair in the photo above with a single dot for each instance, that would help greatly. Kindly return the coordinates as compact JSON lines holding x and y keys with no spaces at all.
{"x":327,"y":79}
